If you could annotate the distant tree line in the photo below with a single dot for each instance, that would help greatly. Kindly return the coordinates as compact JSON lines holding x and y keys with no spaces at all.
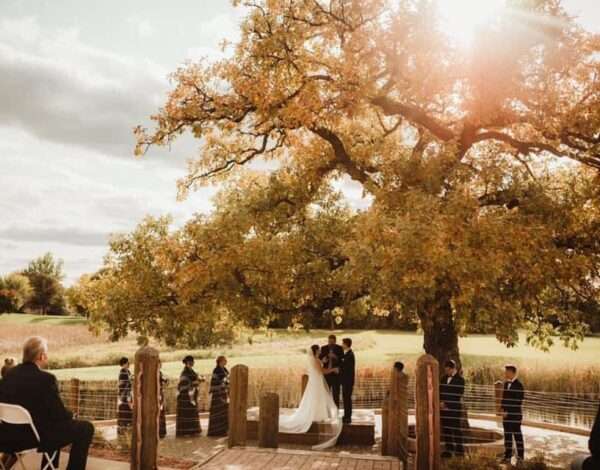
{"x":36,"y":289}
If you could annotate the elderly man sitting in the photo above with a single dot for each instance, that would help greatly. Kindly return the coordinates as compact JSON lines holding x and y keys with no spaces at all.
{"x":36,"y":390}
{"x":591,"y":462}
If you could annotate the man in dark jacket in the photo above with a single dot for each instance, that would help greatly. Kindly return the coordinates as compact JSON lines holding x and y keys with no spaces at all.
{"x":591,"y":462}
{"x":29,"y":386}
{"x":331,"y":356}
{"x":347,"y":374}
{"x":125,"y":401}
{"x":512,"y":412}
{"x":452,"y":389}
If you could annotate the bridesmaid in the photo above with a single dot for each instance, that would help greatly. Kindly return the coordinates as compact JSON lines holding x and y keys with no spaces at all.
{"x":124,"y":411}
{"x":188,"y":418}
{"x":162,"y":424}
{"x":219,"y":406}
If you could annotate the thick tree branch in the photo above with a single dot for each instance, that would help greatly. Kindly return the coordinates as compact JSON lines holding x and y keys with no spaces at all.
{"x":342,"y":157}
{"x":415,"y":115}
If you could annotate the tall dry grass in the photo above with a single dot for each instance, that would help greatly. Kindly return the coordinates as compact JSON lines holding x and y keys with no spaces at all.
{"x":59,"y":337}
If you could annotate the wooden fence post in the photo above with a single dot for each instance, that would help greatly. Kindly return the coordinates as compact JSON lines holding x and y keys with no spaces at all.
{"x":268,"y":421}
{"x":397,"y":418}
{"x":75,"y":395}
{"x":428,"y":414}
{"x":385,"y":427}
{"x":498,"y":390}
{"x":238,"y":406}
{"x":303,"y":384}
{"x":144,"y":440}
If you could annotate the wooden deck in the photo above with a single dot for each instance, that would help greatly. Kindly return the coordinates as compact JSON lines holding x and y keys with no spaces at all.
{"x":283,"y":459}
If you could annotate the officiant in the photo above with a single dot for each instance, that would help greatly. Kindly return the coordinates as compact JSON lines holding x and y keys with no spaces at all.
{"x":331,"y":356}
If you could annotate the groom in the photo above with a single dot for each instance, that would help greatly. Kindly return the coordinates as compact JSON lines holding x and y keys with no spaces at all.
{"x":331,"y":356}
{"x":347,"y":378}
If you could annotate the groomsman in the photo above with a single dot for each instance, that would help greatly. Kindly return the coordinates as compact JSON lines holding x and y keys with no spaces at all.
{"x":591,"y":462}
{"x":348,"y":367}
{"x":512,"y":408}
{"x":452,"y":389}
{"x":331,"y":356}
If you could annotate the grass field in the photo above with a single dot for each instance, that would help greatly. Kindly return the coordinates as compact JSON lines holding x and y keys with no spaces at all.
{"x":76,"y":352}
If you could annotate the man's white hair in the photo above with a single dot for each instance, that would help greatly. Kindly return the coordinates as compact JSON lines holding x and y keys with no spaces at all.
{"x":33,"y":348}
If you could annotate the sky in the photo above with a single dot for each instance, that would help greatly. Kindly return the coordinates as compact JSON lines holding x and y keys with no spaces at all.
{"x":75,"y":77}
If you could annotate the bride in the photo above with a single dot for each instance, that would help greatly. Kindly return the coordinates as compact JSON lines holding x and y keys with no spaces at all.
{"x":317,"y":404}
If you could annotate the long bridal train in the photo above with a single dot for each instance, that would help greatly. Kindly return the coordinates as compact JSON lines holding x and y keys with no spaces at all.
{"x":316,"y":406}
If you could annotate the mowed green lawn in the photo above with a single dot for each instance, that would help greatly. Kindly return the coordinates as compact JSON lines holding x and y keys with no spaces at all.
{"x":71,"y":343}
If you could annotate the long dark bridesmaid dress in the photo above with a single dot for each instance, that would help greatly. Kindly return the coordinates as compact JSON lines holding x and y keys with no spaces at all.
{"x":218,"y":422}
{"x":188,"y":418}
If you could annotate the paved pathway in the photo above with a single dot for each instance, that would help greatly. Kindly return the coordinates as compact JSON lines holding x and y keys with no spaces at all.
{"x":32,"y":461}
{"x":559,"y":448}
{"x":283,"y":459}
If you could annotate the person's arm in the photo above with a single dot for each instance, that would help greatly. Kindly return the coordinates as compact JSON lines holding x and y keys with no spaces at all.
{"x":460,"y":389}
{"x":520,"y":394}
{"x":56,"y":408}
{"x":325,"y":370}
{"x":184,"y":383}
{"x":594,"y":442}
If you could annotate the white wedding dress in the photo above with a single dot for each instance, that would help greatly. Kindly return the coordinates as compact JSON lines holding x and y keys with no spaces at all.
{"x":316,"y":405}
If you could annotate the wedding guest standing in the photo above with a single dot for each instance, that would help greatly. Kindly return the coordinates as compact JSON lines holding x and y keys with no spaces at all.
{"x":9,"y":363}
{"x":125,"y":398}
{"x":162,"y":422}
{"x":512,"y":412}
{"x":331,"y":355}
{"x":347,"y":373}
{"x":188,"y":419}
{"x":219,"y":407}
{"x":591,"y":462}
{"x":452,"y":389}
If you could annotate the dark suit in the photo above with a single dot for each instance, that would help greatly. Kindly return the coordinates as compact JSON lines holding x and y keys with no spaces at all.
{"x":124,"y":411}
{"x":451,"y":393}
{"x":347,"y":374}
{"x":37,"y":392}
{"x":333,"y":379}
{"x":593,"y":461}
{"x":512,"y":404}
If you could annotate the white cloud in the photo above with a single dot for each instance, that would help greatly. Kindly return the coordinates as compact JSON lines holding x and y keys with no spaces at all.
{"x":57,"y":88}
{"x":143,"y":27}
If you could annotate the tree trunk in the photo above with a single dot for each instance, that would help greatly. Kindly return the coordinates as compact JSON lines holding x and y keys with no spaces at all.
{"x":440,"y":338}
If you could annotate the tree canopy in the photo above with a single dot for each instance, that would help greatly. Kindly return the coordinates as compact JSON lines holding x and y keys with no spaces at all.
{"x":45,"y":276}
{"x":482,"y":164}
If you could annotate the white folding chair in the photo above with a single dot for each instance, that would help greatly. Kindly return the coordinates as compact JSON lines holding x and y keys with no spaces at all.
{"x":15,"y":414}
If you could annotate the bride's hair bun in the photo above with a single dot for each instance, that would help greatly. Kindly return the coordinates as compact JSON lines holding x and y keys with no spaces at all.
{"x":314,"y":348}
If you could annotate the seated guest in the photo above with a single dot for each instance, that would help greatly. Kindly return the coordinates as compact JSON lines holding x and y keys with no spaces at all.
{"x":36,"y":390}
{"x":9,"y":363}
{"x":219,"y":407}
{"x":399,"y":366}
{"x":188,"y":418}
{"x":125,"y":399}
{"x":591,"y":462}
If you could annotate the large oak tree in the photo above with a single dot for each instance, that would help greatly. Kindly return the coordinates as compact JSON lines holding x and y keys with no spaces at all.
{"x":482,"y":162}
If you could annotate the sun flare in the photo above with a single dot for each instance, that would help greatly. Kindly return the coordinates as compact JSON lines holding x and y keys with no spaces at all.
{"x":462,"y":18}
